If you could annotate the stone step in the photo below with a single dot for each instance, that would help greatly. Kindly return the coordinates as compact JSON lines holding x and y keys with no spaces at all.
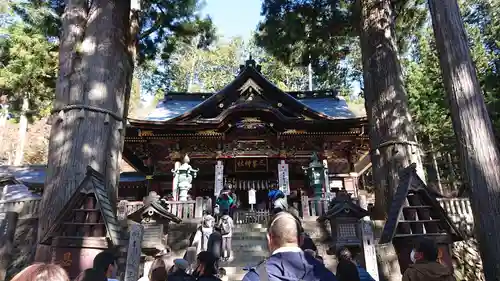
{"x":234,"y":273}
{"x":245,"y":262}
{"x":249,"y":248}
{"x":249,"y":236}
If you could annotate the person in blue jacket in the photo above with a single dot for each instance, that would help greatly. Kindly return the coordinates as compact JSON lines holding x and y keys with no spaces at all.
{"x":287,"y":260}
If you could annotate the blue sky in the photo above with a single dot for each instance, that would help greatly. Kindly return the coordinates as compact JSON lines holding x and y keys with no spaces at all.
{"x":234,"y":17}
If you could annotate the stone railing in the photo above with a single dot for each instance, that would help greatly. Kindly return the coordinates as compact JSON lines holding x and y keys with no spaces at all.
{"x":256,"y":216}
{"x":457,"y":208}
{"x":313,"y":207}
{"x":25,"y":208}
{"x":183,"y":209}
{"x":460,"y":212}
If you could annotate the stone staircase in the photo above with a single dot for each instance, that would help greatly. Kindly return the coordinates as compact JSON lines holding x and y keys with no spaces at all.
{"x":250,"y":247}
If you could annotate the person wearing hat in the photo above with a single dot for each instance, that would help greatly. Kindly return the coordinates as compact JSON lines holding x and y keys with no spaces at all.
{"x":206,"y":267}
{"x":179,"y":271}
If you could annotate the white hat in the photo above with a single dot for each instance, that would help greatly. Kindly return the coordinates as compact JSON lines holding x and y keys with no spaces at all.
{"x":181,"y":264}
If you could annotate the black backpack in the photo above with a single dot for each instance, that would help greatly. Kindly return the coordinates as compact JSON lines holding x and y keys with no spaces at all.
{"x":225,"y":226}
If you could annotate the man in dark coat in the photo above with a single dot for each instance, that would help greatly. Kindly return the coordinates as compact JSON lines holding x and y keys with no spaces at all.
{"x":287,"y":260}
{"x":426,"y":266}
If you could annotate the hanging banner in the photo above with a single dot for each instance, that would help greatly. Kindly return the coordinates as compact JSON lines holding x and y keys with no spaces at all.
{"x":219,"y":178}
{"x":251,"y":197}
{"x":283,"y":180}
{"x":326,"y":184}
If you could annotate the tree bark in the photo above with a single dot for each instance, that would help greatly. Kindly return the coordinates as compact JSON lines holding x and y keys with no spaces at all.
{"x":23,"y":128}
{"x":95,"y":71}
{"x":479,"y":155}
{"x":431,"y":165}
{"x":392,"y":136}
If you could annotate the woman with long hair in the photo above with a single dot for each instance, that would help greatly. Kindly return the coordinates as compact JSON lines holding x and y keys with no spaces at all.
{"x":42,"y":272}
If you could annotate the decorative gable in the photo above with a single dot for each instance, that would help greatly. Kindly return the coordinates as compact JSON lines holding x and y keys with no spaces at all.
{"x":251,"y":87}
{"x":416,"y":213}
{"x":88,"y":219}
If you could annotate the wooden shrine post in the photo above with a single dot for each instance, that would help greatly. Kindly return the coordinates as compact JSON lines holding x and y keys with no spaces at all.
{"x":369,"y":251}
{"x":134,"y":252}
{"x":8,"y":222}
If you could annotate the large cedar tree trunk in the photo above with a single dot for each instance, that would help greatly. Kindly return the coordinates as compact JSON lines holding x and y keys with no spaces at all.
{"x":95,"y":70}
{"x":23,"y":128}
{"x":392,"y":137}
{"x":479,"y":155}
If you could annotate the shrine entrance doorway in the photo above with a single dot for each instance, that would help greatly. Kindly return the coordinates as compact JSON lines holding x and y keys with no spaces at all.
{"x":242,"y":190}
{"x":245,"y":212}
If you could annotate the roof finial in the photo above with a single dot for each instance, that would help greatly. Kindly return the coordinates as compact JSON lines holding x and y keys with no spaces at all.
{"x":250,"y":62}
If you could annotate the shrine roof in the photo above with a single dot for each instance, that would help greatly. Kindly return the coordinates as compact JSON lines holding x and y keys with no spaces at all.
{"x":35,"y":175}
{"x":250,"y":94}
{"x":325,"y":102}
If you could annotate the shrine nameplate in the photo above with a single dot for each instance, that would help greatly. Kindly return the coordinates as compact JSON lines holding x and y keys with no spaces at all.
{"x":153,"y":234}
{"x":250,"y":164}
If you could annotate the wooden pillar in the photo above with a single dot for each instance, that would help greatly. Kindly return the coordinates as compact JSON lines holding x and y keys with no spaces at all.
{"x":153,"y":185}
{"x":8,"y":223}
{"x":369,"y":251}
{"x":351,"y":184}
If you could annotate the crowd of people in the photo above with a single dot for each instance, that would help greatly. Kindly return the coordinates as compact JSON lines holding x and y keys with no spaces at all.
{"x":293,"y":255}
{"x":288,"y":260}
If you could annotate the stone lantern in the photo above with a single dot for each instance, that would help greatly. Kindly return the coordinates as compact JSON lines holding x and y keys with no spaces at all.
{"x":316,"y":174}
{"x":344,"y":216}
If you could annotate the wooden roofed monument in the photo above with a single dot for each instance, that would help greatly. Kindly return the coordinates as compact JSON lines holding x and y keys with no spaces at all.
{"x":416,"y":213}
{"x":86,"y":226}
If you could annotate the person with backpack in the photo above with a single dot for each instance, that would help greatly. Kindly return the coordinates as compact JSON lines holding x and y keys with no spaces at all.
{"x":203,"y":233}
{"x":226,"y":226}
{"x":225,"y":201}
{"x":278,"y":201}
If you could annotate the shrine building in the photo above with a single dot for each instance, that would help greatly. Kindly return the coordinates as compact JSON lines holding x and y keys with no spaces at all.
{"x":250,"y":134}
